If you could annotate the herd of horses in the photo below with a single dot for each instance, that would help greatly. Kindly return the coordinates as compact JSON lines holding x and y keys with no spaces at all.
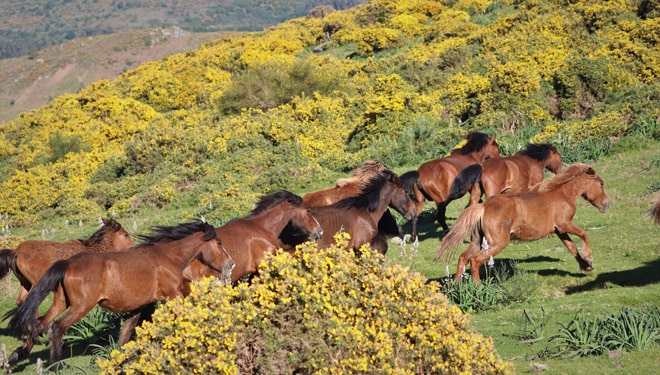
{"x":509,"y":199}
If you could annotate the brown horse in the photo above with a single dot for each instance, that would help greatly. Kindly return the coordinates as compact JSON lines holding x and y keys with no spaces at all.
{"x":352,"y":186}
{"x":31,"y":258}
{"x":359,"y":215}
{"x":248,"y":239}
{"x":517,"y":173}
{"x":446,"y":179}
{"x":120,"y":282}
{"x":547,"y":208}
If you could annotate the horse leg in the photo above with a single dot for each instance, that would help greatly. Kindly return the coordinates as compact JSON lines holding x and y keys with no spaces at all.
{"x":57,"y":307}
{"x":419,"y":198}
{"x":585,"y":262}
{"x":442,"y":218}
{"x":465,"y":257}
{"x":129,"y":325}
{"x":62,"y":325}
{"x":22,"y":295}
{"x":483,"y":249}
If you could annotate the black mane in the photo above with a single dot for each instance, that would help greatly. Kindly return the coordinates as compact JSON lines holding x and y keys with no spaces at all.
{"x":109,"y":226}
{"x":163,"y":233}
{"x":538,"y":152}
{"x":268,"y":201}
{"x":369,"y":198}
{"x":475,"y":142}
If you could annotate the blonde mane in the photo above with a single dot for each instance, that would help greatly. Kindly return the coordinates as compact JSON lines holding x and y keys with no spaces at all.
{"x":362,"y":174}
{"x":571,"y":172}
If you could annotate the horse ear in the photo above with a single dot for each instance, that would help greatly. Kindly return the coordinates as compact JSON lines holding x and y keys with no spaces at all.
{"x":591,"y":171}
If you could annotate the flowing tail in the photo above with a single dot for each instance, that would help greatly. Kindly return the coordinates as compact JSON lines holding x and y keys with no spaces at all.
{"x":653,"y":212}
{"x":24,"y":319}
{"x":464,"y":181}
{"x":469,"y":219}
{"x":7,"y":262}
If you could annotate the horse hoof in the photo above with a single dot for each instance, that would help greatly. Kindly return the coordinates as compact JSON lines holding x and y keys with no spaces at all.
{"x":588,"y":268}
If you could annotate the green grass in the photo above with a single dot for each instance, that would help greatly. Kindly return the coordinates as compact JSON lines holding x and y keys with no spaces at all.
{"x":626,"y":251}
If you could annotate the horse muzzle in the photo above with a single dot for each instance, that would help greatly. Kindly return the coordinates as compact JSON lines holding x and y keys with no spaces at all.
{"x":316,"y":234}
{"x":605,"y":205}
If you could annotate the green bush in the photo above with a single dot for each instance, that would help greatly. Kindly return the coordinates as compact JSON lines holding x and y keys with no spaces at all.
{"x":327,"y":311}
{"x":630,"y":329}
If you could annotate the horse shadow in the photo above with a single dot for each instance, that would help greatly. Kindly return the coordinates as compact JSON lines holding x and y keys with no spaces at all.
{"x":647,"y":274}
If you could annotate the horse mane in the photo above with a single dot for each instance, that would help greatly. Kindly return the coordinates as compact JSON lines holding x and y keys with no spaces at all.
{"x":538,"y":152}
{"x":475,"y":142}
{"x":162,"y":233}
{"x":369,"y":198}
{"x":362,"y":174}
{"x":109,"y":226}
{"x":570,"y":173}
{"x":268,"y":201}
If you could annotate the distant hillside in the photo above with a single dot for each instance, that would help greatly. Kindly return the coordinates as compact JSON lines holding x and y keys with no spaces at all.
{"x":29,"y":83}
{"x":49,"y":48}
{"x":26,"y":27}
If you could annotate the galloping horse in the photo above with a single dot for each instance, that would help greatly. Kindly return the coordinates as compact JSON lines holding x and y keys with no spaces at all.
{"x":120,"y":282}
{"x":517,"y":173}
{"x":352,"y":186}
{"x":446,"y":179}
{"x":31,"y":258}
{"x":248,"y":239}
{"x":547,"y":208}
{"x":359,"y":215}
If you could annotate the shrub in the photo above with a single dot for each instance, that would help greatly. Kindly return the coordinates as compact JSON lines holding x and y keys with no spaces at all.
{"x":630,"y":329}
{"x":311,"y":311}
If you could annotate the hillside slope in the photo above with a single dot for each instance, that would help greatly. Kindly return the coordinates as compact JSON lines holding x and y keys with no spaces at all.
{"x":209,"y":130}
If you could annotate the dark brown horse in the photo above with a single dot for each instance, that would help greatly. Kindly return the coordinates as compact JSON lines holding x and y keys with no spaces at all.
{"x":352,"y":186}
{"x":446,"y":179}
{"x":32,"y":258}
{"x":517,"y":173}
{"x":545,"y":209}
{"x":125,"y":281}
{"x":359,"y":215}
{"x":248,"y":239}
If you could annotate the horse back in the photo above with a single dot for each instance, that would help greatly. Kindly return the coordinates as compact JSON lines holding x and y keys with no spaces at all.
{"x":33,"y":257}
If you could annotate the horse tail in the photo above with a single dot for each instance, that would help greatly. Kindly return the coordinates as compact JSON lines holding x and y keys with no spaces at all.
{"x":469,"y":219}
{"x":652,"y":212}
{"x":465,"y":179}
{"x":24,"y":318}
{"x":7,"y":262}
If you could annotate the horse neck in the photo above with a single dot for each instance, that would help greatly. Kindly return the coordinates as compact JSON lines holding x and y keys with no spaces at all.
{"x":274,"y":221}
{"x":573,"y":189}
{"x":183,"y":251}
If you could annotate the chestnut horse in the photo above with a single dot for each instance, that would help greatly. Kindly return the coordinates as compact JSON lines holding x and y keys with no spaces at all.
{"x":547,"y":208}
{"x":352,"y":186}
{"x":446,"y":179}
{"x":248,"y":239}
{"x":31,"y":258}
{"x":517,"y":173}
{"x":360,"y":215}
{"x":120,"y":282}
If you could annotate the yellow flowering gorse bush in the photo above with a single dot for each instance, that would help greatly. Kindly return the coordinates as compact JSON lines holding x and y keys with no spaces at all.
{"x":325,"y":311}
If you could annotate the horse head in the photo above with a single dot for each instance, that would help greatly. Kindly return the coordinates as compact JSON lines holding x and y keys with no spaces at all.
{"x":214,"y":255}
{"x":594,"y":191}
